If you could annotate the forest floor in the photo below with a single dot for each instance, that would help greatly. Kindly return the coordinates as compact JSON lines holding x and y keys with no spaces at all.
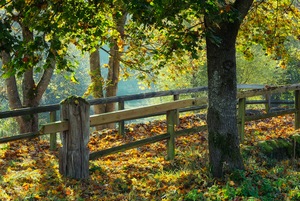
{"x":29,"y":170}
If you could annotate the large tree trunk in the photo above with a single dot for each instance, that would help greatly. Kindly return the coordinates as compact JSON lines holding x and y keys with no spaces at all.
{"x":32,"y":92}
{"x":221,"y":116}
{"x":114,"y":66}
{"x":32,"y":95}
{"x":224,"y":152}
{"x":97,"y":83}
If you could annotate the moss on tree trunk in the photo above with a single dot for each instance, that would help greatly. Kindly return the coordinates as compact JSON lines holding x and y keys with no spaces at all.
{"x":221,"y":116}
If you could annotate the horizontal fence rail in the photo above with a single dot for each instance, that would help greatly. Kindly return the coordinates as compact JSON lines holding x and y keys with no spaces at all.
{"x":143,"y":111}
{"x":268,"y":91}
{"x":55,"y":107}
{"x":170,"y":109}
{"x":59,"y":126}
{"x":139,"y":143}
{"x":114,"y":99}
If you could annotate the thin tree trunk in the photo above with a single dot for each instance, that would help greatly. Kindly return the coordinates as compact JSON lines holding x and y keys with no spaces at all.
{"x":11,"y":84}
{"x":114,"y":66}
{"x":97,"y":83}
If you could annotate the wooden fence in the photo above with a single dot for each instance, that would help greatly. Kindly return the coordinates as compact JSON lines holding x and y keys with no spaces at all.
{"x":75,"y":122}
{"x":267,"y":92}
{"x":54,"y":108}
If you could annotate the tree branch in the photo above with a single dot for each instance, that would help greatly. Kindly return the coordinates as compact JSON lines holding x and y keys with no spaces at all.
{"x":11,"y":85}
{"x":45,"y":80}
{"x":243,"y":7}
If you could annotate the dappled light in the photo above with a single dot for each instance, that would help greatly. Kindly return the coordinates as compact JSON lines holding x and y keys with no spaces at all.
{"x":30,"y":170}
{"x":227,"y":128}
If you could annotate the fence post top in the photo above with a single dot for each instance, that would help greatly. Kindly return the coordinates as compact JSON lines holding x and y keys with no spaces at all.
{"x":75,"y":100}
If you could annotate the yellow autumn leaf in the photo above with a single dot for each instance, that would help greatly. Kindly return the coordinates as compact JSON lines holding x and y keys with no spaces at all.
{"x":120,"y":44}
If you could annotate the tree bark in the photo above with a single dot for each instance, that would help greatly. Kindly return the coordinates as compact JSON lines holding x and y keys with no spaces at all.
{"x":31,"y":93}
{"x":114,"y":66}
{"x":97,"y":83}
{"x":11,"y":84}
{"x":224,"y":152}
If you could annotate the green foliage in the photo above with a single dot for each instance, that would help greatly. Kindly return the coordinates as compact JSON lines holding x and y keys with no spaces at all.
{"x":292,"y":71}
{"x":257,"y":68}
{"x":163,"y":42}
{"x":8,"y":127}
{"x":194,"y":195}
{"x":271,"y":24}
{"x":64,"y":84}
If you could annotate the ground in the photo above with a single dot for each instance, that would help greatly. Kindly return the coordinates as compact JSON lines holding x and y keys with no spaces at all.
{"x":29,"y":170}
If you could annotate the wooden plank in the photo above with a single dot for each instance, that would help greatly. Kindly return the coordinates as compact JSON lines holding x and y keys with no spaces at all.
{"x":271,"y":114}
{"x":188,"y":109}
{"x":241,"y":118}
{"x":268,"y":90}
{"x":274,"y":102}
{"x":27,"y":111}
{"x":268,"y":104}
{"x":60,"y":126}
{"x":53,"y":139}
{"x":55,"y":107}
{"x":57,"y":126}
{"x":190,"y":131}
{"x":128,"y":146}
{"x":250,"y":86}
{"x":146,"y":95}
{"x":54,"y":127}
{"x":171,"y":115}
{"x":19,"y":137}
{"x":297,"y":108}
{"x":201,"y":107}
{"x":74,"y":153}
{"x":121,"y":129}
{"x":139,"y":143}
{"x":175,"y":98}
{"x":142,"y":111}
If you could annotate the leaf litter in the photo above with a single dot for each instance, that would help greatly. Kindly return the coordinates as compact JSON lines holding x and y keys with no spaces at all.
{"x":29,"y":170}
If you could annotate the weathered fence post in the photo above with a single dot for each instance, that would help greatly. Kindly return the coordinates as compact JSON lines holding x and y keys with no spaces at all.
{"x":175,"y":98}
{"x":121,"y":106}
{"x":171,"y":115}
{"x":74,"y":154}
{"x":52,"y":135}
{"x":268,"y":104}
{"x":241,"y":118}
{"x":297,"y":107}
